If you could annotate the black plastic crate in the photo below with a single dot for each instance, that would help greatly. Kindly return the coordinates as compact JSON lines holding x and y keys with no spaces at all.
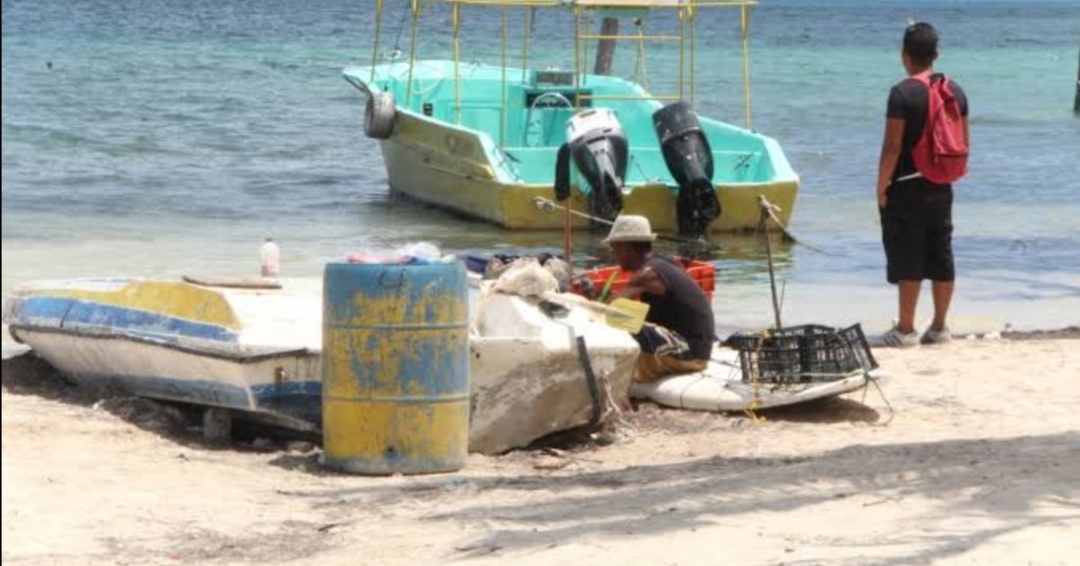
{"x":801,"y":354}
{"x":854,"y":336}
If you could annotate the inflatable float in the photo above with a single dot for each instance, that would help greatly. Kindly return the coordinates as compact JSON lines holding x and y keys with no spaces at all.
{"x":720,"y":387}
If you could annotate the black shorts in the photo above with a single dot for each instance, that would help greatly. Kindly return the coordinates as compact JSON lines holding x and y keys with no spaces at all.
{"x":916,"y":228}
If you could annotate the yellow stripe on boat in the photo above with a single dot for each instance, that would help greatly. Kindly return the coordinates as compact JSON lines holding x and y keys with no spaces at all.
{"x":175,"y":299}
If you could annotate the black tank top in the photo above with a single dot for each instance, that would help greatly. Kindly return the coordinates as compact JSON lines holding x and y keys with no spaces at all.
{"x":684,"y":308}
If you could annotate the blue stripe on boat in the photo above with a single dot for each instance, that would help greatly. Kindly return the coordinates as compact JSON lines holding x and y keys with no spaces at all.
{"x":201,"y":392}
{"x":299,"y":400}
{"x":74,"y":314}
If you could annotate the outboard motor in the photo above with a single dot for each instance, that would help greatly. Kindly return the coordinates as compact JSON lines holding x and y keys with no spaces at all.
{"x":597,"y":144}
{"x":689,"y":159}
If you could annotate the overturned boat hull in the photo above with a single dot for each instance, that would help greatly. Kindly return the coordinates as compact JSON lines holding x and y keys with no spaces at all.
{"x":216,"y":347}
{"x":533,"y":374}
{"x":283,"y":384}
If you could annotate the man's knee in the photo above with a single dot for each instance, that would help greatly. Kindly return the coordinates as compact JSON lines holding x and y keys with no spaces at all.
{"x":653,"y":367}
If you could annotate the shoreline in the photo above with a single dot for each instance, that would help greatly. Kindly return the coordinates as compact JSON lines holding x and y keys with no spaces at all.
{"x":1066,"y":333}
{"x":994,"y":292}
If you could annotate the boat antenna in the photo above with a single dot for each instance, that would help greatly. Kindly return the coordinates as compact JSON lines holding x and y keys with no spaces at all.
{"x":395,"y":53}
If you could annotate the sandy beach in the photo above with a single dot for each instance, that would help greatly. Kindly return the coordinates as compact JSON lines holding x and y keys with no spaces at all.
{"x":159,"y":140}
{"x":976,"y":462}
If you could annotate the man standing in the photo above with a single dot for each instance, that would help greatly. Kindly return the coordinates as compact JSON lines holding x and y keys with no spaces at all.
{"x":680,"y":330}
{"x":916,"y":213}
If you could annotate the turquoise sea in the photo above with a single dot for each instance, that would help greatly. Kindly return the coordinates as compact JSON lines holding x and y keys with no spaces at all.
{"x":165,"y":137}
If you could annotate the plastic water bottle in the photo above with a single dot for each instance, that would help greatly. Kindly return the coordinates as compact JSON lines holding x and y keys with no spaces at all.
{"x":270,"y":256}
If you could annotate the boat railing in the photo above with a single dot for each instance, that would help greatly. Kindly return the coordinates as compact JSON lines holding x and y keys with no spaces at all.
{"x":685,"y":38}
{"x":584,"y":12}
{"x":629,"y":97}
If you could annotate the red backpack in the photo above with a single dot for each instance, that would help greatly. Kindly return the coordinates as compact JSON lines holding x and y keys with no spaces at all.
{"x":941,"y":154}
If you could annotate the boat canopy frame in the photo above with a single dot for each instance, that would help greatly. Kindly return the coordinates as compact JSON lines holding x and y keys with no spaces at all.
{"x":583,"y":11}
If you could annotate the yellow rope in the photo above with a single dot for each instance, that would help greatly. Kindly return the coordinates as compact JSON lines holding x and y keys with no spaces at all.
{"x":750,"y":414}
{"x":755,"y":380}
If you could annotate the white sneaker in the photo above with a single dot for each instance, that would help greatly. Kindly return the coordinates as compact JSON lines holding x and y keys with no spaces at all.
{"x":932,"y":336}
{"x":896,"y":339}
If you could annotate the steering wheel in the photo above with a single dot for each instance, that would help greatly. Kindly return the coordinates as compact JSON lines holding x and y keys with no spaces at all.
{"x":530,"y":124}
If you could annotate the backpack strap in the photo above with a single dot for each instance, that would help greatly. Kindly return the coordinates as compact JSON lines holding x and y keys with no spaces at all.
{"x":923,"y":77}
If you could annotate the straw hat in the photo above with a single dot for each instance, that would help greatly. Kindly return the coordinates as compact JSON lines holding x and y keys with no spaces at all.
{"x":629,"y":228}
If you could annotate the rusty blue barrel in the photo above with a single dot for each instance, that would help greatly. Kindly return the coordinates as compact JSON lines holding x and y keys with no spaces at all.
{"x":395,"y":368}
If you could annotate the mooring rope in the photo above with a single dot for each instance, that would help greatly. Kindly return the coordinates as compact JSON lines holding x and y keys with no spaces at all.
{"x":770,"y":210}
{"x":549,"y":205}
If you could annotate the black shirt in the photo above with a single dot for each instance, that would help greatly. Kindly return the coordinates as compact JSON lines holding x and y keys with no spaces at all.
{"x":684,"y":308}
{"x":909,"y":100}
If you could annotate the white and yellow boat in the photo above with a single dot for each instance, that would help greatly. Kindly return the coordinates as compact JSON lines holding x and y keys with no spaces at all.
{"x":486,"y":140}
{"x":252,"y":350}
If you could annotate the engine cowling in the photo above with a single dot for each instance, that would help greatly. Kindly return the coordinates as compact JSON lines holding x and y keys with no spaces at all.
{"x":689,"y":158}
{"x":599,"y":149}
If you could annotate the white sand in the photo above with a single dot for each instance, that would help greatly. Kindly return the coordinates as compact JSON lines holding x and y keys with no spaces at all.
{"x":979,"y":465}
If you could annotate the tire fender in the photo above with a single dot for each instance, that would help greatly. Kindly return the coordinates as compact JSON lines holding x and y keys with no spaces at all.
{"x":379,"y":115}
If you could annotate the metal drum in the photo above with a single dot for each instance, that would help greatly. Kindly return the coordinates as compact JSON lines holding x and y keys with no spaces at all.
{"x":395,"y":368}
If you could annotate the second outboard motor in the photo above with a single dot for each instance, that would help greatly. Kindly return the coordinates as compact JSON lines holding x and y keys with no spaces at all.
{"x":689,"y":159}
{"x":597,"y":144}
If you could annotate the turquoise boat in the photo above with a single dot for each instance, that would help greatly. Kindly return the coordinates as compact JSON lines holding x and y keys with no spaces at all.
{"x":493,"y":141}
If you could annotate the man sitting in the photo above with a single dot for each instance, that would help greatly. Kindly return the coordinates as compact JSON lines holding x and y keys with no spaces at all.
{"x":679,"y":331}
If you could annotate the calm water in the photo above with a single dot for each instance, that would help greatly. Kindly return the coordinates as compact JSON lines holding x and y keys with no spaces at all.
{"x":165,"y":137}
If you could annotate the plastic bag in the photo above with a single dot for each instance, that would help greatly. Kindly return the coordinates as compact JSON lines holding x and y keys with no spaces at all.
{"x":417,"y":253}
{"x":527,"y":278}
